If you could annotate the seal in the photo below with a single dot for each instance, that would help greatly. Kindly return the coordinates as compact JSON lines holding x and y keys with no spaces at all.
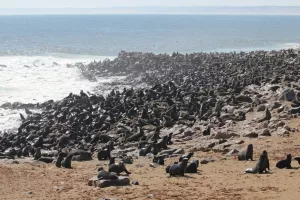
{"x":104,"y":154}
{"x":145,"y":151}
{"x":266,"y":163}
{"x":286,"y":163}
{"x":246,"y":155}
{"x":159,"y":160}
{"x":39,"y":142}
{"x":118,"y":168}
{"x":37,"y":154}
{"x":170,"y":142}
{"x":46,"y":159}
{"x":206,"y":131}
{"x":192,"y":166}
{"x":298,"y":159}
{"x":162,"y":144}
{"x":66,"y":163}
{"x":178,"y":169}
{"x":188,"y":156}
{"x":111,"y":161}
{"x":259,"y":167}
{"x":155,"y":149}
{"x":26,"y":150}
{"x":59,"y":159}
{"x":104,"y":175}
{"x":81,"y":155}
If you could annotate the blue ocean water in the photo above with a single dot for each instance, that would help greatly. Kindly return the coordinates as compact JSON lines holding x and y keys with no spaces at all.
{"x":107,"y":35}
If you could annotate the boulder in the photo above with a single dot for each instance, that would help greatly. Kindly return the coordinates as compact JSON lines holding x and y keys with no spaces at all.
{"x":274,"y":105}
{"x":261,"y":108}
{"x":251,"y":135}
{"x":232,"y":152}
{"x":265,"y":132}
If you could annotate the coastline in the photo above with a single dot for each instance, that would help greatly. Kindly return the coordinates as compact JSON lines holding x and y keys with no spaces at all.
{"x":212,"y":103}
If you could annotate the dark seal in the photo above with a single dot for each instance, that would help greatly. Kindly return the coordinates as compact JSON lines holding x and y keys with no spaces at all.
{"x":192,"y":166}
{"x":286,"y":163}
{"x":259,"y":167}
{"x":118,"y":168}
{"x":66,"y":163}
{"x":59,"y":159}
{"x":246,"y":155}
{"x":178,"y":169}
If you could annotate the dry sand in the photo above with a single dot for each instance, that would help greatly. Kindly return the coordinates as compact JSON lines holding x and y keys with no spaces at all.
{"x":222,"y":179}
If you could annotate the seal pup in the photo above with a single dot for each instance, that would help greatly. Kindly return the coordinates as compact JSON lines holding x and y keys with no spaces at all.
{"x":266,"y":163}
{"x":37,"y":154}
{"x":118,"y":168}
{"x":246,"y":155}
{"x":192,"y":166}
{"x":298,"y":159}
{"x":66,"y":163}
{"x":170,"y":142}
{"x":259,"y":167}
{"x":286,"y":163}
{"x":59,"y":159}
{"x":104,"y":175}
{"x":162,"y":144}
{"x":104,"y":154}
{"x":159,"y":160}
{"x":26,"y":150}
{"x":178,"y":169}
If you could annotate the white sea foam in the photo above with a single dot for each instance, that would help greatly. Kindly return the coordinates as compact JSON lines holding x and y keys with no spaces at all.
{"x":37,"y":79}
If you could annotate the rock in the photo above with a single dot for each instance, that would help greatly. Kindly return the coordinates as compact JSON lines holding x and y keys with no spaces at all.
{"x":232,"y":152}
{"x":265,"y":132}
{"x":204,"y":161}
{"x":29,"y":192}
{"x":274,"y":105}
{"x":280,"y":109}
{"x":243,"y":98}
{"x":188,"y":132}
{"x":151,"y":196}
{"x":239,"y":141}
{"x":280,"y":124}
{"x":108,"y":199}
{"x":179,"y":151}
{"x":221,"y":147}
{"x":12,"y":161}
{"x":251,"y":135}
{"x":135,"y":183}
{"x":167,"y":151}
{"x":149,"y":127}
{"x":266,"y":116}
{"x":224,"y":135}
{"x":205,"y":146}
{"x":261,"y":108}
{"x":286,"y":127}
{"x":288,"y":95}
{"x":152,"y":165}
{"x":272,"y":125}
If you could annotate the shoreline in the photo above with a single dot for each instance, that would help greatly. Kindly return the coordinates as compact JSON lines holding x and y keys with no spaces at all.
{"x":211,"y":104}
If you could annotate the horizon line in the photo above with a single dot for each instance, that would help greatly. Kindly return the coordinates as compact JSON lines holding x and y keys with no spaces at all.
{"x":224,"y":6}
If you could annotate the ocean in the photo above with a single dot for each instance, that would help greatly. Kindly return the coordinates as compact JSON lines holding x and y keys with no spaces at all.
{"x":35,"y":50}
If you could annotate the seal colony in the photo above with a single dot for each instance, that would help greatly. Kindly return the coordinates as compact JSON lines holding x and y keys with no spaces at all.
{"x":200,"y":88}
